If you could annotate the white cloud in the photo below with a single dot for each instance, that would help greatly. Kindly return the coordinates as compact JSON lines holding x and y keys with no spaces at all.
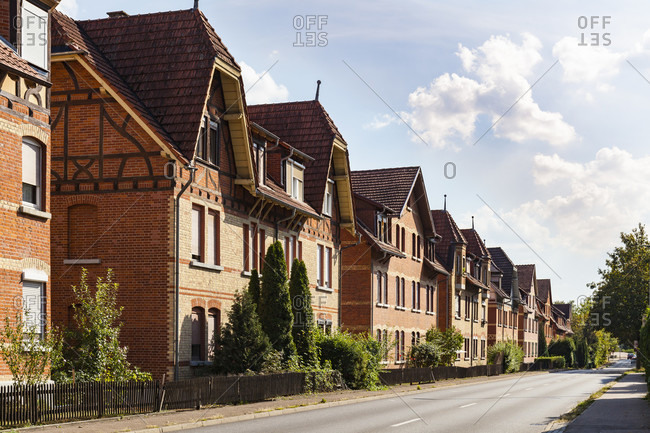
{"x":68,"y":7}
{"x":381,"y":121}
{"x":500,"y":72}
{"x":262,"y":89}
{"x":586,"y":63}
{"x":591,"y":203}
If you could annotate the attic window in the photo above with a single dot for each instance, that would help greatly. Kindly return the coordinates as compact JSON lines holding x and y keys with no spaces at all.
{"x":382,"y":227}
{"x":33,"y":35}
{"x":260,"y":160}
{"x":207,"y":147}
{"x":295,"y":177}
{"x":329,"y":194}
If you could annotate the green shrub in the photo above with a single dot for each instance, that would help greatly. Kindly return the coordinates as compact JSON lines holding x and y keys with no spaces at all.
{"x":424,"y":355}
{"x":303,"y":317}
{"x":548,"y":362}
{"x":644,"y":347}
{"x":582,"y":353}
{"x":564,"y":347}
{"x":513,"y":355}
{"x":605,"y":345}
{"x":448,"y":342}
{"x":357,"y":357}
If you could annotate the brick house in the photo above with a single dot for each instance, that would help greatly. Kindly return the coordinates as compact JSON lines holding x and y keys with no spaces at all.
{"x":390,"y":274}
{"x":529,"y":314}
{"x":545,"y":306}
{"x":561,"y":319}
{"x":503,"y":303}
{"x":26,"y":154}
{"x":465,"y":292}
{"x":159,"y":174}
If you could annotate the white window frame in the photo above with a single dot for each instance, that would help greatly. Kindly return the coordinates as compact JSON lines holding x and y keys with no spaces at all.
{"x":38,"y":171}
{"x":329,"y":198}
{"x":34,"y":306}
{"x":34,"y":30}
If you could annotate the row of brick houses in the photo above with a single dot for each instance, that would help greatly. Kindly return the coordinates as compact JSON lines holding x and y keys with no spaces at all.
{"x":139,"y":153}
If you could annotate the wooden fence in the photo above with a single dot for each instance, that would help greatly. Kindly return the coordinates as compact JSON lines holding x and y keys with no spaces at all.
{"x":64,"y":402}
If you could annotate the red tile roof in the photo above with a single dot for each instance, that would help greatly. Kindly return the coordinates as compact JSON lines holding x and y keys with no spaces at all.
{"x":11,"y":61}
{"x":474,"y":243}
{"x":277,"y":194}
{"x":376,"y":243}
{"x":526,"y":275}
{"x":389,"y":186}
{"x":450,"y":234}
{"x":565,"y":309}
{"x":306,"y":126}
{"x":165,"y":59}
{"x":501,"y":259}
{"x":544,"y":289}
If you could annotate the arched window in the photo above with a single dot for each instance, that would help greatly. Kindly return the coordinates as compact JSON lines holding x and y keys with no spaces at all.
{"x":379,"y":335}
{"x":413,"y":296}
{"x":403,"y":240}
{"x":397,"y":244}
{"x":403,"y":293}
{"x":417,"y":337}
{"x":397,"y":291}
{"x":198,"y":334}
{"x":402,"y":346}
{"x":386,"y":289}
{"x":214,"y":328}
{"x":379,"y":288}
{"x":412,"y":338}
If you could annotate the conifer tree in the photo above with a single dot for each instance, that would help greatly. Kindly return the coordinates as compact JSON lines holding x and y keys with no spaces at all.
{"x":303,"y":316}
{"x":254,"y":289}
{"x":275,"y":303}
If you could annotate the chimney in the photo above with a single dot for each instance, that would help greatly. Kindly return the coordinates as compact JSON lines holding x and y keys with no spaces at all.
{"x":317,"y":90}
{"x":117,"y":14}
{"x":196,"y":4}
{"x":445,"y":207}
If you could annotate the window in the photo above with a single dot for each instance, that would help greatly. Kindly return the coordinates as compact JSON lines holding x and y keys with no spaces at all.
{"x":34,"y":32}
{"x":329,"y":197}
{"x":468,"y":307}
{"x":207,"y":147}
{"x":417,"y":292}
{"x":482,"y":349}
{"x":419,"y":247}
{"x":417,"y":337}
{"x":386,"y":289}
{"x":34,"y":307}
{"x":324,"y":257}
{"x":397,"y":346}
{"x":414,"y":297}
{"x":474,"y":348}
{"x":295,"y":174}
{"x":412,"y":338}
{"x":466,"y":348}
{"x":32,"y":173}
{"x":319,"y":265}
{"x":259,"y":149}
{"x":413,"y":245}
{"x":426,"y":289}
{"x":459,"y":270}
{"x":403,"y":293}
{"x":458,"y":306}
{"x":197,"y":233}
{"x":198,"y":323}
{"x":380,"y":290}
{"x":382,"y":227}
{"x":397,"y":244}
{"x":246,"y":247}
{"x":397,"y":292}
{"x":290,"y":250}
{"x":402,"y":352}
{"x":212,"y":252}
{"x":483,"y":311}
{"x":403,"y":240}
{"x":214,"y":327}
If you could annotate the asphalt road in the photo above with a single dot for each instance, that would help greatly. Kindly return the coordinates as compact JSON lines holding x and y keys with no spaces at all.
{"x":518,"y":405}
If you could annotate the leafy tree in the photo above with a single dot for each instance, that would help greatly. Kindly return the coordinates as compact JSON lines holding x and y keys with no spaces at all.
{"x":275,"y":304}
{"x":242,"y":344}
{"x":564,"y":347}
{"x":541,"y":342}
{"x":254,"y":289}
{"x":28,"y":355}
{"x":424,"y":355}
{"x":510,"y":352}
{"x":303,"y":316}
{"x":621,"y":296}
{"x":96,"y":354}
{"x":448,"y":342}
{"x":606,"y":344}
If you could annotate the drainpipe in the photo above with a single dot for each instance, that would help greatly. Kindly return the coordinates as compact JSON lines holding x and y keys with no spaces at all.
{"x":177,"y":266}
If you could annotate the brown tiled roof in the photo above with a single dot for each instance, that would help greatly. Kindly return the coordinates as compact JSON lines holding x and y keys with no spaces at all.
{"x":277,"y":194}
{"x":526,"y":274}
{"x":544,"y":289}
{"x":450,"y":234}
{"x":501,"y":259}
{"x":68,"y":35}
{"x":375,"y":242}
{"x":11,"y":61}
{"x":565,"y":309}
{"x":495,"y":269}
{"x":389,"y":186}
{"x":474,"y":243}
{"x":474,"y":282}
{"x":436,"y":266}
{"x":306,"y":126}
{"x":165,"y":58}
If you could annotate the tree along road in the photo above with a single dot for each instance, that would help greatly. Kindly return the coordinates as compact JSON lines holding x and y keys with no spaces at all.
{"x":518,"y":405}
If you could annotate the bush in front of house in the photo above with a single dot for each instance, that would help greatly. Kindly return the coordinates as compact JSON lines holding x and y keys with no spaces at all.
{"x":564,"y":347}
{"x":448,"y":342}
{"x":424,"y":355}
{"x":548,"y":362}
{"x":511,"y":353}
{"x":356,"y":356}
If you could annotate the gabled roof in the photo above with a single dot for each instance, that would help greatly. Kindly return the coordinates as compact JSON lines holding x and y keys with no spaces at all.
{"x":306,"y":126}
{"x":450,"y":234}
{"x":544,"y":290}
{"x":526,"y":275}
{"x":393,"y":188}
{"x":494,"y":269}
{"x":12,"y":62}
{"x":474,"y":243}
{"x":565,"y":309}
{"x":389,"y":186}
{"x":503,"y":262}
{"x":161,"y":62}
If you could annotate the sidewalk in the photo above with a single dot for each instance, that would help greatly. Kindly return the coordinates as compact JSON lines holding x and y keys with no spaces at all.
{"x":621,"y":409}
{"x":181,"y":420}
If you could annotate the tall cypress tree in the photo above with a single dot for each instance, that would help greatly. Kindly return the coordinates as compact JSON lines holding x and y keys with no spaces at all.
{"x":275,"y":303}
{"x":242,"y":343}
{"x":254,"y":289}
{"x":303,"y":316}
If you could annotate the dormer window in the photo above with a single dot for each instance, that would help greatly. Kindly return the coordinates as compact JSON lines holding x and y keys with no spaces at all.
{"x":34,"y":25}
{"x":329,"y":197}
{"x":295,"y":173}
{"x":207,"y":147}
{"x":260,"y":160}
{"x":382,"y":227}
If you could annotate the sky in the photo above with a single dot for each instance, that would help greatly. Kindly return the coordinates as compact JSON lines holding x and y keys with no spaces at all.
{"x":531,"y":116}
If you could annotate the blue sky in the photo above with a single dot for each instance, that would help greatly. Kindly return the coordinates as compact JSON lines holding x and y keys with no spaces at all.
{"x":565,"y":167}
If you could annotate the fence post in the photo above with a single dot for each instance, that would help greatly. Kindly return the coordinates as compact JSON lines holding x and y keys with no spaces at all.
{"x":34,"y":404}
{"x":100,"y":400}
